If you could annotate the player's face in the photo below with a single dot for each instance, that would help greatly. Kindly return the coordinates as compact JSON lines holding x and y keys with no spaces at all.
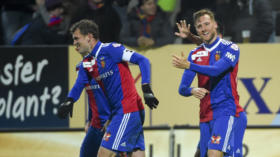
{"x":81,"y":42}
{"x":206,"y":28}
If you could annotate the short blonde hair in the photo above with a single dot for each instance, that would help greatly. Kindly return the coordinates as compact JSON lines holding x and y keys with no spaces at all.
{"x":202,"y":12}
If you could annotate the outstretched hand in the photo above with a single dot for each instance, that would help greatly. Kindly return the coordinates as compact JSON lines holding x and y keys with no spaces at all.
{"x":180,"y":62}
{"x":184,"y":29}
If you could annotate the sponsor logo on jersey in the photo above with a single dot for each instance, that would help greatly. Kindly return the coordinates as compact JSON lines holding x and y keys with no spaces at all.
{"x":106,"y":136}
{"x":89,"y":64}
{"x":90,"y":87}
{"x":230,"y":56}
{"x":215,"y":139}
{"x":238,"y":151}
{"x":199,"y":54}
{"x":123,"y":144}
{"x":228,"y":147}
{"x":104,"y":75}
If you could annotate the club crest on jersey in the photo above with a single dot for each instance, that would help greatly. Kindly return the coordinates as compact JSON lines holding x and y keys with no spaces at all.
{"x":106,"y":136}
{"x":215,"y":139}
{"x":116,"y":45}
{"x":102,"y":64}
{"x":199,"y":54}
{"x":217,"y":55}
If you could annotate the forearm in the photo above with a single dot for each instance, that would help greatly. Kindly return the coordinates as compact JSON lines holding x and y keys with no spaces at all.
{"x":76,"y":91}
{"x":211,"y":70}
{"x":144,"y":66}
{"x":194,"y":39}
{"x":79,"y":85}
{"x":187,"y":79}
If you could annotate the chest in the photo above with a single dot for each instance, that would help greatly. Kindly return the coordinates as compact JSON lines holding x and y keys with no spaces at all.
{"x":206,"y":57}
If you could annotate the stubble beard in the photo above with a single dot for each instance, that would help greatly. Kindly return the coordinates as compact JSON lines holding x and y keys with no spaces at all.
{"x":211,"y":39}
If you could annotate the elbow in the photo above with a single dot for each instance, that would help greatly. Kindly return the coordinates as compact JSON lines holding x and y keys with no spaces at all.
{"x":141,"y":60}
{"x":183,"y":91}
{"x":146,"y":60}
{"x":215,"y":73}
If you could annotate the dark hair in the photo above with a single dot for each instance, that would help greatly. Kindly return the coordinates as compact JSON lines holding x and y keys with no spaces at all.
{"x":202,"y":12}
{"x":86,"y":27}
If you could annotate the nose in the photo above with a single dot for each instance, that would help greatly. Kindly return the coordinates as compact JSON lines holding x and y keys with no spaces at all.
{"x":203,"y":28}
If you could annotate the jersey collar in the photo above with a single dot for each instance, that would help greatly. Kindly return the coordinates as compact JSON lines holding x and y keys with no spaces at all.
{"x":210,"y":47}
{"x":96,"y":49}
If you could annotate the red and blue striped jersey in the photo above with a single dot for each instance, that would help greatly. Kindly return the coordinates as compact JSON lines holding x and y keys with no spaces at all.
{"x":216,"y":66}
{"x":111,"y":71}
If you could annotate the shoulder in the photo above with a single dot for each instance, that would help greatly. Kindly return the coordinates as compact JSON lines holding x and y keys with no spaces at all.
{"x":229,"y":45}
{"x":112,"y":45}
{"x":230,"y":51}
{"x":78,"y":65}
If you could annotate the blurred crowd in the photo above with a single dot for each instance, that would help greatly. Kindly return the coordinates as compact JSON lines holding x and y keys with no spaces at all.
{"x":137,"y":23}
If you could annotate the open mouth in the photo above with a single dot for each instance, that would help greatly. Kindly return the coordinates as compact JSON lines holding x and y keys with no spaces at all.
{"x":205,"y":33}
{"x":77,"y":47}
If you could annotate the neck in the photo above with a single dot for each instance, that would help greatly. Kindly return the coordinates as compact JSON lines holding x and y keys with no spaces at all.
{"x":91,"y":47}
{"x":83,"y":55}
{"x":211,"y":40}
{"x":93,"y":44}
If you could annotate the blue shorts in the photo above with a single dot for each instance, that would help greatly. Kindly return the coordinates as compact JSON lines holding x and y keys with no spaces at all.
{"x":91,"y":142}
{"x":236,"y":136}
{"x":125,"y":133}
{"x":217,"y":135}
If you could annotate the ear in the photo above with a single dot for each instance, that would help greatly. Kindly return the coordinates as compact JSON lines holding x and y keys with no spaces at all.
{"x":89,"y":37}
{"x":216,"y":25}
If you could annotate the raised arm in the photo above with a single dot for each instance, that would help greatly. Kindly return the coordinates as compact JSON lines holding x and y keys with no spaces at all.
{"x":185,"y":32}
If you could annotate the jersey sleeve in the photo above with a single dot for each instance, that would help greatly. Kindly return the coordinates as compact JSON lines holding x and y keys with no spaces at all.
{"x":229,"y":59}
{"x":116,"y":51}
{"x":187,"y":79}
{"x":121,"y":53}
{"x":232,"y":55}
{"x":144,"y":66}
{"x":79,"y":85}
